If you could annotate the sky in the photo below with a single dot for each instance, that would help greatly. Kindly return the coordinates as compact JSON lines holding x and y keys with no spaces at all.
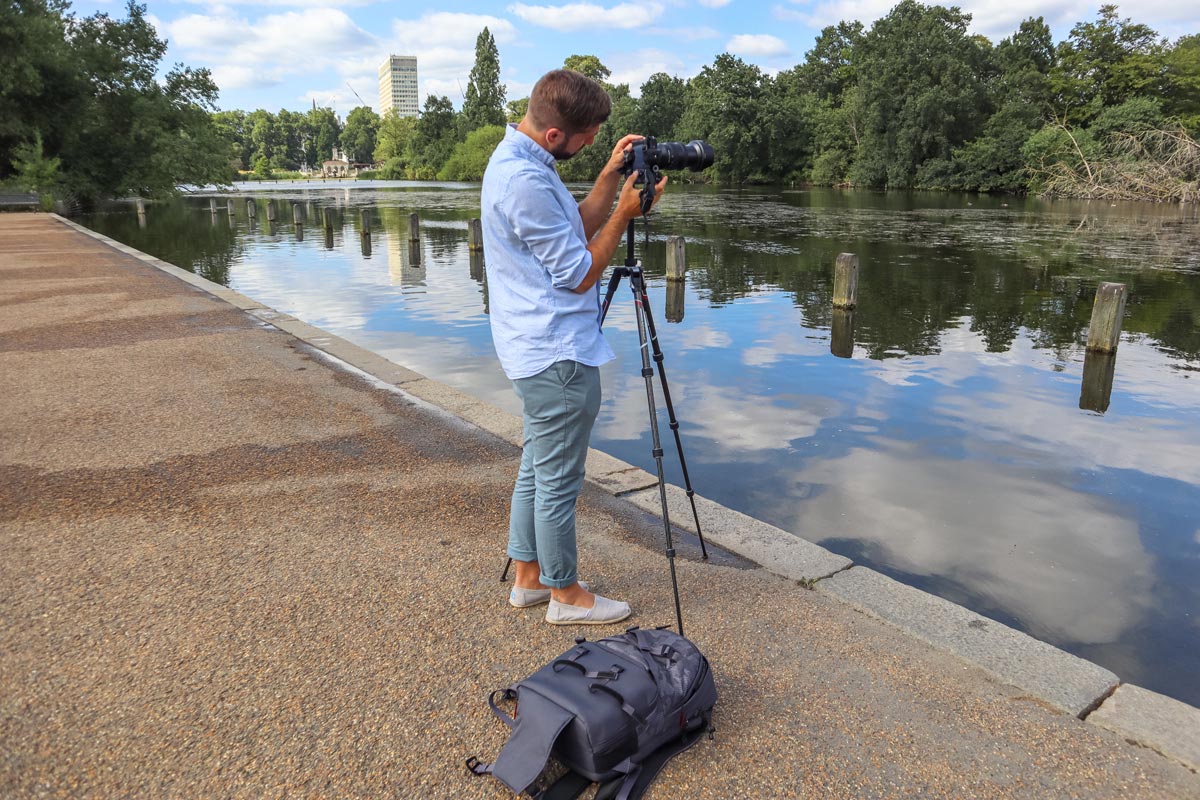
{"x":277,"y":54}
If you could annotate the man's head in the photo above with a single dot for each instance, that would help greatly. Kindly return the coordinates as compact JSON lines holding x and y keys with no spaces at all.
{"x":566,"y":108}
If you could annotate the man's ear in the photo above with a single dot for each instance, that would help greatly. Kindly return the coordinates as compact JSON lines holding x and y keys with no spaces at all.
{"x":555,"y":135}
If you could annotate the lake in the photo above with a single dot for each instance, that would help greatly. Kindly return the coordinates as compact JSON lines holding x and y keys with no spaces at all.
{"x":943,"y":433}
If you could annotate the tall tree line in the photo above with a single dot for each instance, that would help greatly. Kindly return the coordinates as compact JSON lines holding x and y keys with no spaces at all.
{"x":913,"y":101}
{"x":83,"y":114}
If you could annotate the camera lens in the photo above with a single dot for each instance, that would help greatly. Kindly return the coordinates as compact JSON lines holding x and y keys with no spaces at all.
{"x":695,"y":155}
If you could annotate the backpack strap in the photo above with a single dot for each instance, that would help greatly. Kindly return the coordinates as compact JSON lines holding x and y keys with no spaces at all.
{"x":634,"y":784}
{"x":568,"y":787}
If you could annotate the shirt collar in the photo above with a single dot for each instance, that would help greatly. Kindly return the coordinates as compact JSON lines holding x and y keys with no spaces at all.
{"x":527,"y":145}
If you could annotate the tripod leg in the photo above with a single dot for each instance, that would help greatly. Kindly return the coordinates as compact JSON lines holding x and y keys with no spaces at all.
{"x":648,"y":374}
{"x":640,"y":286}
{"x":504,"y":575}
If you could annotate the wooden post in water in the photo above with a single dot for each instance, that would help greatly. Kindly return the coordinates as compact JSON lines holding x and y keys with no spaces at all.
{"x":676,"y":260}
{"x":251,"y":209}
{"x":229,"y":207}
{"x":366,"y":223}
{"x":414,"y":228}
{"x":475,"y":235}
{"x":1104,"y":332}
{"x":297,"y":213}
{"x":141,"y":206}
{"x":1095,"y":390}
{"x":212,"y":206}
{"x":845,"y":281}
{"x":270,"y":211}
{"x":328,"y":213}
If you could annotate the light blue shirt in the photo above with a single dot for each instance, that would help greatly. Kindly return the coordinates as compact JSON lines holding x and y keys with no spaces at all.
{"x":536,"y":253}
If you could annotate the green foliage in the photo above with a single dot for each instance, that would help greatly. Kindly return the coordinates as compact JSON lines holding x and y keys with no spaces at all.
{"x":661,"y":106}
{"x":396,"y":136}
{"x":470,"y":158}
{"x":484,"y":102}
{"x":515,"y":110}
{"x":358,"y":137}
{"x":1104,"y":63}
{"x":34,"y":171}
{"x":262,"y":168}
{"x":920,"y":77}
{"x":589,"y":66}
{"x":913,"y":101}
{"x":435,"y":139}
{"x":725,"y":107}
{"x":89,"y":90}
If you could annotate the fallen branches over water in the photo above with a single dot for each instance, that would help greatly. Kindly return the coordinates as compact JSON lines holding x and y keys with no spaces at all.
{"x":1154,"y":164}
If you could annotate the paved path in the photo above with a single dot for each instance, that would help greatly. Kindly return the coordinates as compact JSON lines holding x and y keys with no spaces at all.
{"x":231,"y":568}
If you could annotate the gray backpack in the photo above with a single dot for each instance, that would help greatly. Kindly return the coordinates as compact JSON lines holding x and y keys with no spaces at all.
{"x":612,"y":711}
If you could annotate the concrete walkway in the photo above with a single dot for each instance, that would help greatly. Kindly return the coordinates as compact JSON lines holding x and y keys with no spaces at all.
{"x":233,"y":567}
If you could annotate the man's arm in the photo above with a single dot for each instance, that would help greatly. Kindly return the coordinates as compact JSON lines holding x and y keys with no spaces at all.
{"x":605,"y":243}
{"x":595,"y":207}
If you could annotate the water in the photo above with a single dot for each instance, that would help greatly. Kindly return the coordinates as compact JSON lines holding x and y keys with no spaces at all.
{"x":950,"y":451}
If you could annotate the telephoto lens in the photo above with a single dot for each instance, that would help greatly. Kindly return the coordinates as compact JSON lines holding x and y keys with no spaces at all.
{"x":695,"y":155}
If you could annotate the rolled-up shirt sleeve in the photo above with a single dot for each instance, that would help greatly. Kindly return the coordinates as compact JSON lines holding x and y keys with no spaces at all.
{"x":542,"y":224}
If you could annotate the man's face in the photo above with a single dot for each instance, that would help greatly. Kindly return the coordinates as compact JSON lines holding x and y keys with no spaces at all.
{"x":572,"y":144}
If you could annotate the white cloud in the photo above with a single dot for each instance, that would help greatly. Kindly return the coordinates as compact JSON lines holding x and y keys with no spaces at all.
{"x":715,"y":3}
{"x":583,"y":16}
{"x":444,"y":44}
{"x":758,"y":44}
{"x":323,"y":35}
{"x":1066,"y":565}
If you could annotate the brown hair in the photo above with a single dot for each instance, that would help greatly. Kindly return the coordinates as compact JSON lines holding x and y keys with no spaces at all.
{"x":567,"y":100}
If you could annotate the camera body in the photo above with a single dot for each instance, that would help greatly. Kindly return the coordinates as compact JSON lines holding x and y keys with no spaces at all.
{"x":649,"y":157}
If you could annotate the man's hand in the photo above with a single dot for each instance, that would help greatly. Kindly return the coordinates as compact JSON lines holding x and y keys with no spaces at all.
{"x":617,"y":160}
{"x":629,"y":204}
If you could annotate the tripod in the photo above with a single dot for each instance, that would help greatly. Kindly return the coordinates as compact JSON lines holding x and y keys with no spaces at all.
{"x":648,"y":335}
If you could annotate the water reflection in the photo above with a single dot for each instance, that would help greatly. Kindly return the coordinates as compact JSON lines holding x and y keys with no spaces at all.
{"x":952,"y":453}
{"x":1098,"y":371}
{"x":841,"y":334}
{"x":676,"y":296}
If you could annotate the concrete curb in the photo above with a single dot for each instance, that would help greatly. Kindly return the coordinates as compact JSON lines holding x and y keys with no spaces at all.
{"x":1066,"y":682}
{"x":1152,"y":720}
{"x":1057,"y":678}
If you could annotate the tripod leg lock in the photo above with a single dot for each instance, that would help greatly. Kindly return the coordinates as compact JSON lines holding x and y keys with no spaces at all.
{"x":647,"y":372}
{"x":670,"y":552}
{"x":657,"y":452}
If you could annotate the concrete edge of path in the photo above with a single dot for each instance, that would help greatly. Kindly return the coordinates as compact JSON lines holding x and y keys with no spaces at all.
{"x":1063,"y":681}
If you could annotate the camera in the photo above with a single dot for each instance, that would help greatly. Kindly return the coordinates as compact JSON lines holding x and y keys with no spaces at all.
{"x":651,"y":156}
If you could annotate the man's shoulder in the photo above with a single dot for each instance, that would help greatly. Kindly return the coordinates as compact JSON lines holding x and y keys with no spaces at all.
{"x":506,"y":171}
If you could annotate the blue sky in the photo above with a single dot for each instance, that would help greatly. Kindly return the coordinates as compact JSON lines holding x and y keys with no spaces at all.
{"x":277,"y":54}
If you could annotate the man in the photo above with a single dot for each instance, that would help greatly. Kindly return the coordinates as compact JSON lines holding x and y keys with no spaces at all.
{"x":546,"y":253}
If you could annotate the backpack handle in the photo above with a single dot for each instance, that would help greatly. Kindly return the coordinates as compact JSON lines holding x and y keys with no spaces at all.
{"x":628,"y":709}
{"x":602,"y":675}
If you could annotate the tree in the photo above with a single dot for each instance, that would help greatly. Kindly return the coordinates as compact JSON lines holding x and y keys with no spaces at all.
{"x":515,"y":110}
{"x":919,"y":73}
{"x":358,"y":137}
{"x":100,"y":108}
{"x":231,"y":126}
{"x":435,"y":139}
{"x":1181,"y":96}
{"x":484,"y":103}
{"x":323,"y":130}
{"x":725,"y":107}
{"x":828,"y":69}
{"x":1104,"y":63}
{"x":590,"y":66}
{"x":661,"y":106}
{"x":470,"y":158}
{"x":396,"y":136}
